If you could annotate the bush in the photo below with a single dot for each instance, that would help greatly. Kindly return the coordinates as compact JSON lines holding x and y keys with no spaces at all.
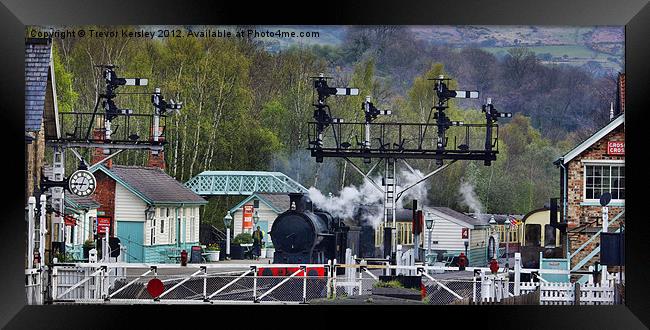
{"x":64,"y":257}
{"x":388,"y":284}
{"x":392,"y":284}
{"x":89,"y":244}
{"x":213,"y":247}
{"x":243,"y":238}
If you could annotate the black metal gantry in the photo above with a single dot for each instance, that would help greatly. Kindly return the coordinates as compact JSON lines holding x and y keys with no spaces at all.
{"x":115,"y":127}
{"x":404,"y":140}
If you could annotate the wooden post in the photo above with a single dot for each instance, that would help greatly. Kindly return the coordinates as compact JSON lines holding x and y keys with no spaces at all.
{"x":576,"y":294}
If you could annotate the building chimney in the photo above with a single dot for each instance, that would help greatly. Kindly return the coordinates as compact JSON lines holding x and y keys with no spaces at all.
{"x":620,"y":94}
{"x":156,"y":159}
{"x":100,"y":153}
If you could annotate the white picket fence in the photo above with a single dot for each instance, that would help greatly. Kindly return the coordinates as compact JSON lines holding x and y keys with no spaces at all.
{"x":564,"y":293}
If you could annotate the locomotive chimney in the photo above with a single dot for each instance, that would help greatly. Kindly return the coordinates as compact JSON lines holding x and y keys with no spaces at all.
{"x":300,"y":202}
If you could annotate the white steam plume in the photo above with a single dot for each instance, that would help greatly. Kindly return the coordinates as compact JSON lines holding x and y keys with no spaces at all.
{"x":469,"y":198}
{"x":347,"y":203}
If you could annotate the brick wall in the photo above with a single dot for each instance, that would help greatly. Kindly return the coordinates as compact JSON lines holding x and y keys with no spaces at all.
{"x":105,"y":196}
{"x":157,"y":160}
{"x":98,"y":153}
{"x":583,"y":221}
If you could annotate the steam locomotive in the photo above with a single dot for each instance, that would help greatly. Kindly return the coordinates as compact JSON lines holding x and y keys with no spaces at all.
{"x":305,"y":235}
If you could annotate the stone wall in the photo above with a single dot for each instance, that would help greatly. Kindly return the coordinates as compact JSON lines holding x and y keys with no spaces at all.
{"x":34,"y":162}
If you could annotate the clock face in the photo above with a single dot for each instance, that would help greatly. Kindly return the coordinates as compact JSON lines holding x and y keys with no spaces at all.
{"x":82,"y":183}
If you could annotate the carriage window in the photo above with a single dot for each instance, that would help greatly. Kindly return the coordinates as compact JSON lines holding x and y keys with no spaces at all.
{"x":533,"y":235}
{"x":602,"y":178}
{"x":549,"y":236}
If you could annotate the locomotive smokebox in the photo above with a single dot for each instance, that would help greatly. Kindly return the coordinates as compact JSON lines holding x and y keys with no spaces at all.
{"x":300,"y":202}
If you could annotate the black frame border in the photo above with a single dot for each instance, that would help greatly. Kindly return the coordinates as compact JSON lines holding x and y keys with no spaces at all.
{"x":16,"y":14}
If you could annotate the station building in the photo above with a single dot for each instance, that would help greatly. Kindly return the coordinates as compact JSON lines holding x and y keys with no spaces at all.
{"x":268,"y":207}
{"x":154,"y":216}
{"x":81,"y":214}
{"x":451,"y":229}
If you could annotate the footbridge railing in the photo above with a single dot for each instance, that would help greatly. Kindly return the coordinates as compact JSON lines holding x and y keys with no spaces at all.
{"x":221,"y":183}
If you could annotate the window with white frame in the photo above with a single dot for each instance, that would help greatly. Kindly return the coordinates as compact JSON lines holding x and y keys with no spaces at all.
{"x":600,"y":178}
{"x":192,"y":225}
{"x":153,"y":231}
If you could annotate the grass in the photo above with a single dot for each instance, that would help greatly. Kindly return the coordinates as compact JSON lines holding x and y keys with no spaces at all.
{"x":576,"y":53}
{"x":392,"y":284}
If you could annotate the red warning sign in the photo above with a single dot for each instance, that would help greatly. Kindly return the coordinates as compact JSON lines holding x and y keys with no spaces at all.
{"x":155,"y":287}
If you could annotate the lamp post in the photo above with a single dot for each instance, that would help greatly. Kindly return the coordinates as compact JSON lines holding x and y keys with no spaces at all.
{"x":507,"y":227}
{"x":429,"y":223}
{"x":256,"y":218}
{"x":227,"y":220}
{"x":493,"y":229}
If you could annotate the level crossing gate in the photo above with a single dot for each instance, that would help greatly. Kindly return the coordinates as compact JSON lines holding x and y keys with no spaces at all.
{"x":126,"y":283}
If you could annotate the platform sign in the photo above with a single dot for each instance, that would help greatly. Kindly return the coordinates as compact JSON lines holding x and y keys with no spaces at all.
{"x":103,"y":224}
{"x":616,"y":148}
{"x":195,"y":256}
{"x":248,"y":217}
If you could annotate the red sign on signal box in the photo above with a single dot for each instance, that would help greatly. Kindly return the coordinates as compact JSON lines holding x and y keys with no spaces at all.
{"x":616,"y":148}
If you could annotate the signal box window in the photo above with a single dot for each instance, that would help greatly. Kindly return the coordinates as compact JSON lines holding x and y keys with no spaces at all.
{"x":533,"y":235}
{"x":603,"y":178}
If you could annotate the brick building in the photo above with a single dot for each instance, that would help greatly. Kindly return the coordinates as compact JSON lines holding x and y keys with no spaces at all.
{"x":595,"y":166}
{"x":154,"y":216}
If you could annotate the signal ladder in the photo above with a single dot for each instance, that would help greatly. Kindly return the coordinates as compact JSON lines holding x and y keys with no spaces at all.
{"x":389,"y":198}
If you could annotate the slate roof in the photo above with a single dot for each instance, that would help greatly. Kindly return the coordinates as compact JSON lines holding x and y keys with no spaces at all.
{"x":80,"y":202}
{"x":405,"y":215}
{"x":279,"y":201}
{"x":37,"y":65}
{"x":461,"y":216}
{"x":499,"y":218}
{"x":156,"y":185}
